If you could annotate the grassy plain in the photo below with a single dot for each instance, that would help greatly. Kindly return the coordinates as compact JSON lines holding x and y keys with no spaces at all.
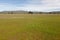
{"x":29,"y":27}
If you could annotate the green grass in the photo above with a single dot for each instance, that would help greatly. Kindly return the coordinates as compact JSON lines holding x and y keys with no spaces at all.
{"x":29,"y":27}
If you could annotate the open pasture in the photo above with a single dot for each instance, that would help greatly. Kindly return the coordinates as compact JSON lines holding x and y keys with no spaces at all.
{"x":29,"y":27}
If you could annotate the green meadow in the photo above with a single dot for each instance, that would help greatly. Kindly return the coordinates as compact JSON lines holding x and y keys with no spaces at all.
{"x":29,"y":27}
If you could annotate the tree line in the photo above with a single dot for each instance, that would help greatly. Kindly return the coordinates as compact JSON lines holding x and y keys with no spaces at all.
{"x":30,"y":12}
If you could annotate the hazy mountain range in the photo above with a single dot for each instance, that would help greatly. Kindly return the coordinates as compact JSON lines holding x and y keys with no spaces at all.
{"x":26,"y":12}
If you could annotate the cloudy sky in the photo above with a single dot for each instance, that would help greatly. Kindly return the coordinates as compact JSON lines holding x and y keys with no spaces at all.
{"x":30,"y":5}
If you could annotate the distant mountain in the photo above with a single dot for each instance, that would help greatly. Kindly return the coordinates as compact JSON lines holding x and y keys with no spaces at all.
{"x":13,"y":12}
{"x":26,"y":12}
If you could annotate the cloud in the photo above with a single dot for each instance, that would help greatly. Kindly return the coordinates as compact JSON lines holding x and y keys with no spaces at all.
{"x":46,"y":5}
{"x":33,"y":5}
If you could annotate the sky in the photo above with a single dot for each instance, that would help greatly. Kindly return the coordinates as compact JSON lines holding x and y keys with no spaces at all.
{"x":30,"y":5}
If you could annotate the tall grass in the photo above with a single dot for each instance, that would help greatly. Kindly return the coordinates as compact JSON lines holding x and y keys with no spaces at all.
{"x":29,"y":27}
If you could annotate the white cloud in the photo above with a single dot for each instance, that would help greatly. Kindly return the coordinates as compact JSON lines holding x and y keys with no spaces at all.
{"x":34,"y":5}
{"x":43,"y":5}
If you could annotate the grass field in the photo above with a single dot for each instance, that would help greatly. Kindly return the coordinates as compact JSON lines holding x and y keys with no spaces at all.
{"x":29,"y":27}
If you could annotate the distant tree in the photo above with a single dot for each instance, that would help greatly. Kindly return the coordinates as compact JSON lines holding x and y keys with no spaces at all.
{"x":40,"y":12}
{"x":30,"y":12}
{"x":11,"y":12}
{"x":50,"y":12}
